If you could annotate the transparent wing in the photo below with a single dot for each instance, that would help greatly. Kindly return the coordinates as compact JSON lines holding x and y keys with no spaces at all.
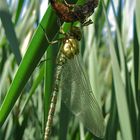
{"x":79,"y":98}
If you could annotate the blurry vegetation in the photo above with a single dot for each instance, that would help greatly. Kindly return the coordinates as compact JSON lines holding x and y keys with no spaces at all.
{"x":111,"y":53}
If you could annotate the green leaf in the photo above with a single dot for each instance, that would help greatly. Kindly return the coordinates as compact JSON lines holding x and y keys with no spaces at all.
{"x":37,"y":47}
{"x":9,"y":30}
{"x":121,"y":100}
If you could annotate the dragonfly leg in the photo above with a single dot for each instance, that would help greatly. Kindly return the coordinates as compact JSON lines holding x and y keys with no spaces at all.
{"x":86,"y":23}
{"x":61,"y":31}
{"x":50,"y":42}
{"x":69,"y":5}
{"x":59,"y":22}
{"x":42,"y":61}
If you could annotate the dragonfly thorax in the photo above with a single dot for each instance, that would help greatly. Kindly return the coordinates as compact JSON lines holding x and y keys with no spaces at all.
{"x":70,"y":47}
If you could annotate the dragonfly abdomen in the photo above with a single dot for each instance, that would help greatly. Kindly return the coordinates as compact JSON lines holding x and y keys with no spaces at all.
{"x":53,"y":101}
{"x":50,"y":115}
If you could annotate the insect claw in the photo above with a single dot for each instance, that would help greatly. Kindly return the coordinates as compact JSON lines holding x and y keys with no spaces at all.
{"x":86,"y":23}
{"x":59,"y":22}
{"x":61,"y":31}
{"x":69,"y":5}
{"x":41,"y":62}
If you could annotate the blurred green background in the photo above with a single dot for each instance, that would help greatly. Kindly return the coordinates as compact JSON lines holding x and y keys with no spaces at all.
{"x":110,"y":48}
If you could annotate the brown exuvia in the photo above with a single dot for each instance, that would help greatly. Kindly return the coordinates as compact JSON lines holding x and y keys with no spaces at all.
{"x":73,"y":12}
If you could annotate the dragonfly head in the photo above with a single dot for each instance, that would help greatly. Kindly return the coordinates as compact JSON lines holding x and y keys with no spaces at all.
{"x":76,"y":33}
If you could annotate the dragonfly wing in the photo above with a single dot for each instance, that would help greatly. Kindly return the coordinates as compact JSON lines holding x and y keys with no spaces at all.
{"x":79,"y":98}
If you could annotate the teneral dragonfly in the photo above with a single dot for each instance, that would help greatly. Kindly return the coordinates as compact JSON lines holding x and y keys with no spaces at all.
{"x":70,"y":73}
{"x":72,"y":12}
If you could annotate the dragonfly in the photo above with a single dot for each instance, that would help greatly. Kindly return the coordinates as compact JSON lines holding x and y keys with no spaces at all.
{"x":70,"y":74}
{"x":72,"y":12}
